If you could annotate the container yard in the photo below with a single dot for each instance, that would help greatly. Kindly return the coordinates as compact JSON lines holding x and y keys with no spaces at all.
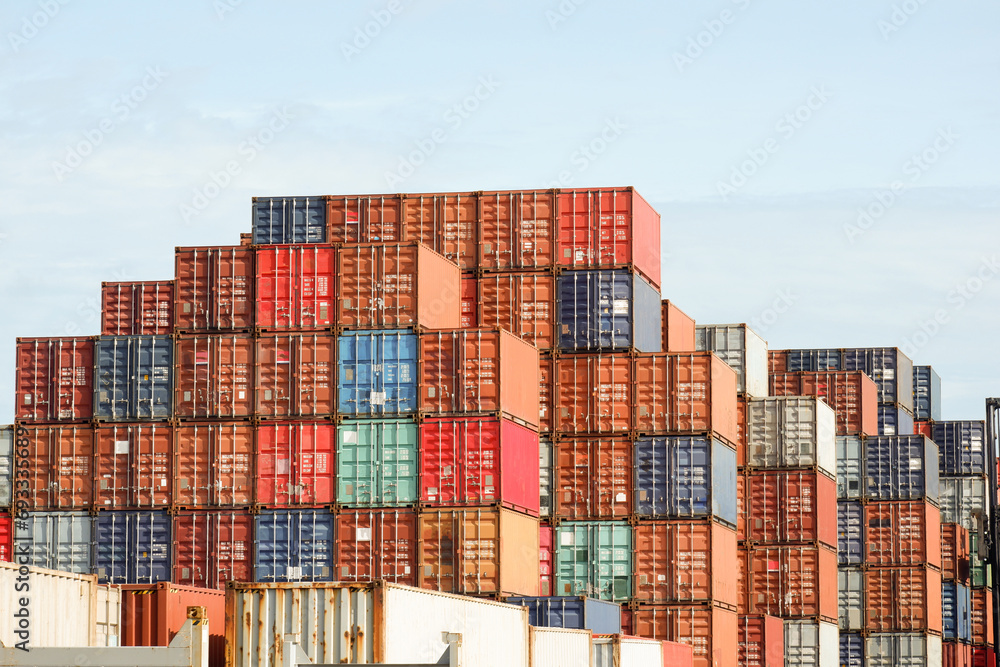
{"x":468,"y":428}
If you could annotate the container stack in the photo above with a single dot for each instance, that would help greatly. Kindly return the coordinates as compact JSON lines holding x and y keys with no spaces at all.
{"x":6,"y":497}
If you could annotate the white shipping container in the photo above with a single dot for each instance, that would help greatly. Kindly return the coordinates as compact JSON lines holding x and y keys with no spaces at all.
{"x":740,"y":347}
{"x":620,"y":651}
{"x":851,"y":587}
{"x":809,"y":644}
{"x":903,"y":650}
{"x":963,"y":501}
{"x":792,"y":431}
{"x":368,"y":623}
{"x":6,"y":464}
{"x":559,"y":647}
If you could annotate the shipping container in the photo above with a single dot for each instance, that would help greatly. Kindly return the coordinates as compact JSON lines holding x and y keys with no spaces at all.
{"x":685,"y":392}
{"x":152,"y":614}
{"x":523,"y":303}
{"x":212,"y":547}
{"x":742,"y":445}
{"x":762,"y":642}
{"x":961,"y":447}
{"x":891,"y":370}
{"x":137,"y":308}
{"x":378,"y":373}
{"x":851,"y":532}
{"x":853,"y":397}
{"x":214,"y":289}
{"x":213,"y":464}
{"x":777,"y":361}
{"x":546,"y":475}
{"x":6,"y":465}
{"x":743,"y":578}
{"x":983,"y":657}
{"x":902,"y":533}
{"x":981,"y":616}
{"x":213,"y":376}
{"x":955,"y":654}
{"x":815,"y":360}
{"x":289,"y":220}
{"x":133,"y":466}
{"x":478,"y":551}
{"x":133,"y":379}
{"x":712,"y":632}
{"x":593,"y":394}
{"x":793,"y":582}
{"x":903,"y":650}
{"x":791,"y":432}
{"x":377,"y":463}
{"x":608,"y":228}
{"x":560,"y":647}
{"x":811,"y":644}
{"x":373,"y":545}
{"x":894,"y":419}
{"x":295,"y":463}
{"x":6,"y":537}
{"x":447,"y":223}
{"x":470,"y":303}
{"x":60,"y":466}
{"x":903,"y":599}
{"x":55,"y":379}
{"x":850,"y":467}
{"x":296,"y":287}
{"x":479,"y":461}
{"x":389,"y":286}
{"x":607,"y":311}
{"x":376,"y":219}
{"x":369,"y":624}
{"x":851,"y":591}
{"x":685,"y":477}
{"x":926,"y":393}
{"x":741,"y":504}
{"x":294,"y":375}
{"x":979,"y":574}
{"x":678,"y":329}
{"x":685,"y":562}
{"x":956,"y":610}
{"x":964,"y":500}
{"x":954,"y":553}
{"x":902,"y":467}
{"x":57,"y":540}
{"x":574,"y":613}
{"x":293,"y":545}
{"x":517,"y":230}
{"x":592,"y":478}
{"x":791,"y":506}
{"x":852,"y":650}
{"x":594,"y":558}
{"x":132,"y":547}
{"x":621,"y":651}
{"x":546,"y":560}
{"x":740,"y":347}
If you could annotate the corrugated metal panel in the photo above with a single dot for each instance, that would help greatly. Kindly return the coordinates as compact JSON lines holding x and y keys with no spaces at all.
{"x":6,"y":537}
{"x":593,"y":394}
{"x":678,"y":329}
{"x":575,"y":613}
{"x":903,"y":599}
{"x":851,"y":587}
{"x":954,"y":553}
{"x":711,"y":631}
{"x":6,"y":464}
{"x":762,"y":642}
{"x":557,"y":647}
{"x":594,"y":559}
{"x":964,"y":501}
{"x":294,"y":375}
{"x":852,"y":650}
{"x":545,"y":476}
{"x":789,"y":506}
{"x":902,"y":533}
{"x":377,"y":545}
{"x":60,"y":465}
{"x":137,"y":308}
{"x":153,"y":614}
{"x":956,"y":612}
{"x":214,"y":288}
{"x":893,"y":419}
{"x":296,"y":287}
{"x":607,"y":310}
{"x":293,"y":545}
{"x":377,"y":373}
{"x":979,"y":574}
{"x":289,"y":220}
{"x":891,"y":370}
{"x":740,"y":347}
{"x":791,"y":432}
{"x":132,"y":547}
{"x":901,"y":467}
{"x":58,"y":540}
{"x":850,"y":467}
{"x":377,"y":462}
{"x":214,"y":376}
{"x":212,"y":547}
{"x":55,"y":379}
{"x":546,"y":560}
{"x":295,"y":463}
{"x":926,"y":393}
{"x":134,"y":465}
{"x":851,"y":533}
{"x":961,"y":447}
{"x":903,"y":650}
{"x":214,"y":464}
{"x":134,"y":377}
{"x":853,"y":396}
{"x":448,"y":223}
{"x":593,"y":478}
{"x":793,"y":582}
{"x":815,"y":360}
{"x":522,"y":303}
{"x":377,"y":219}
{"x":981,"y":616}
{"x":517,"y":230}
{"x":809,"y":644}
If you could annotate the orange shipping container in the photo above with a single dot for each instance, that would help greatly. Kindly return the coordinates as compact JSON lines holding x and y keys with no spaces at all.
{"x":295,"y":286}
{"x":478,"y":552}
{"x":133,"y":466}
{"x":546,"y":560}
{"x":153,"y":613}
{"x":743,"y":579}
{"x":711,"y":631}
{"x":214,"y":289}
{"x":954,"y":553}
{"x":377,"y":545}
{"x":213,"y":464}
{"x":522,"y":303}
{"x":678,"y":330}
{"x":903,"y":599}
{"x":213,"y":376}
{"x":353,"y":220}
{"x":762,"y":641}
{"x":685,"y":562}
{"x":295,"y":375}
{"x":982,"y":616}
{"x":211,"y":548}
{"x":593,"y":478}
{"x":470,"y":303}
{"x":741,"y":506}
{"x":60,"y":466}
{"x":593,"y":394}
{"x":741,"y":430}
{"x":902,"y":533}
{"x":137,"y":308}
{"x":478,"y":371}
{"x":517,"y":230}
{"x":777,"y":361}
{"x":446,"y":223}
{"x":795,"y":582}
{"x":791,"y":506}
{"x":397,"y":285}
{"x":852,"y":395}
{"x":546,"y":369}
{"x":55,"y":379}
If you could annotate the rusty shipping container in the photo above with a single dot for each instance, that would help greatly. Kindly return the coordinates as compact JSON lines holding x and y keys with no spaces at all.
{"x":355,"y":220}
{"x":678,"y":329}
{"x":853,"y":396}
{"x":153,"y":613}
{"x":295,"y":375}
{"x":296,"y":287}
{"x":214,"y":289}
{"x":524,"y":303}
{"x":903,"y":599}
{"x":741,"y":504}
{"x":295,"y":463}
{"x":60,"y":466}
{"x":137,"y":308}
{"x":955,"y":654}
{"x":982,"y":616}
{"x":212,"y":547}
{"x":762,"y":642}
{"x":712,"y":632}
{"x":593,"y":394}
{"x":447,"y":223}
{"x":517,"y":230}
{"x":133,"y":466}
{"x":213,"y":376}
{"x":592,"y":478}
{"x":902,"y":533}
{"x":55,"y":379}
{"x":742,"y":444}
{"x":777,"y":362}
{"x":373,"y":545}
{"x":213,"y":464}
{"x":793,"y":582}
{"x":954,"y":553}
{"x":791,"y":506}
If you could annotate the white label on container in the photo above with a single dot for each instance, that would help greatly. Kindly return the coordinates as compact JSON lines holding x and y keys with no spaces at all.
{"x":350,"y":437}
{"x":163,"y":481}
{"x":293,"y":572}
{"x":242,"y":395}
{"x":364,"y":535}
{"x":121,"y":446}
{"x":406,"y":570}
{"x":620,"y":306}
{"x":620,"y":498}
{"x":27,"y":399}
{"x":566,"y":539}
{"x":283,"y":466}
{"x":916,"y":464}
{"x":377,"y":397}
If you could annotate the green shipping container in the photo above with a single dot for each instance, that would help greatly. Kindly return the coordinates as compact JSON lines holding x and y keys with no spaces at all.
{"x":594,"y":558}
{"x":377,"y":462}
{"x":979,"y":571}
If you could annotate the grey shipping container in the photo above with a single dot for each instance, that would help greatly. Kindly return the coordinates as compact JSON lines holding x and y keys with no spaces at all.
{"x":852,"y":650}
{"x":791,"y":432}
{"x":901,"y":467}
{"x":850,"y":466}
{"x":903,"y":650}
{"x":815,"y":360}
{"x":289,"y":220}
{"x":893,"y":419}
{"x":575,"y":613}
{"x":742,"y":349}
{"x":293,"y":545}
{"x":851,"y":590}
{"x":926,"y":393}
{"x":132,"y":547}
{"x":58,"y":540}
{"x":608,"y":310}
{"x":850,"y":532}
{"x":545,"y":468}
{"x":961,"y":447}
{"x":6,"y":464}
{"x":134,"y":377}
{"x":956,"y":611}
{"x":964,"y":501}
{"x":891,"y":370}
{"x":811,"y":644}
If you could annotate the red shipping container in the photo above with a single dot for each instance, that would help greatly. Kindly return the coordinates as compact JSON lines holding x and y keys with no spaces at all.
{"x":608,"y":228}
{"x":546,"y":561}
{"x":376,"y":219}
{"x":153,"y":613}
{"x":60,"y":466}
{"x":446,"y":223}
{"x":213,"y":464}
{"x":397,"y":285}
{"x":741,"y":506}
{"x":678,"y":330}
{"x":478,"y":371}
{"x":479,"y":461}
{"x":954,"y":553}
{"x":762,"y":641}
{"x":517,"y":230}
{"x":983,"y":657}
{"x":791,"y":506}
{"x":546,"y":390}
{"x":685,"y":392}
{"x":6,"y":537}
{"x":954,"y":654}
{"x":296,"y":286}
{"x":295,"y":463}
{"x":676,"y":654}
{"x":852,"y":395}
{"x":522,"y":303}
{"x":213,"y":547}
{"x":137,"y":308}
{"x":295,"y":375}
{"x":795,"y":582}
{"x":903,"y":599}
{"x":741,"y":430}
{"x":982,"y":616}
{"x":712,"y":632}
{"x":685,"y":562}
{"x":55,"y":379}
{"x":742,"y":579}
{"x":133,"y":466}
{"x":470,"y":303}
{"x":593,"y":394}
{"x":214,"y":289}
{"x":592,"y":478}
{"x":377,"y":545}
{"x":213,"y":376}
{"x":777,"y":361}
{"x":924,"y":428}
{"x":902,"y":533}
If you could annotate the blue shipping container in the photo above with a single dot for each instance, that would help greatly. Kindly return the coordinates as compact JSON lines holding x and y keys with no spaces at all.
{"x":685,"y":477}
{"x":132,"y":547}
{"x":377,"y":373}
{"x":891,"y":370}
{"x":926,"y":393}
{"x":289,"y":220}
{"x":901,"y":467}
{"x":956,"y":611}
{"x":293,"y":545}
{"x":608,"y":310}
{"x":575,"y":613}
{"x":814,"y":360}
{"x":850,"y":532}
{"x":893,"y":419}
{"x":134,"y":378}
{"x":961,"y":447}
{"x":852,"y":650}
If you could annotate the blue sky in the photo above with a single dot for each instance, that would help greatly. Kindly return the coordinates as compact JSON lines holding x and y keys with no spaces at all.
{"x":834,"y":161}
